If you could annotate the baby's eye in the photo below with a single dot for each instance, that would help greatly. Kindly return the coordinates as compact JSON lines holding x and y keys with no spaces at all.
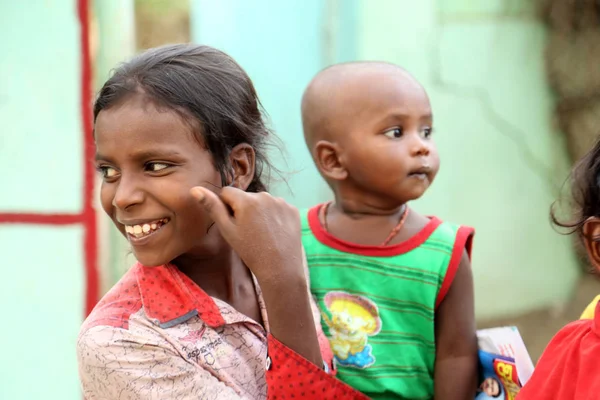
{"x":427,"y":132}
{"x":107,"y":172}
{"x":156,"y":166}
{"x":393,"y":133}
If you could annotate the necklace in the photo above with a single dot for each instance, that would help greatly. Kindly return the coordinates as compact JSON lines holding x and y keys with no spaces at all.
{"x":393,"y":233}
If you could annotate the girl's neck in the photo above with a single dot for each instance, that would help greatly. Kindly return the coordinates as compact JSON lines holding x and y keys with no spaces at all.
{"x":223,"y":275}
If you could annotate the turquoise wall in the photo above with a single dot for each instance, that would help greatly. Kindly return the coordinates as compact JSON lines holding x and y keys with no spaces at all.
{"x":280,"y":46}
{"x":40,"y":108}
{"x":482,"y":64}
{"x":42,"y":304}
{"x":42,"y":296}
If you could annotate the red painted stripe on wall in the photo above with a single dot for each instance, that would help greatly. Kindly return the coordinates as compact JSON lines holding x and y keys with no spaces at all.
{"x":41,"y":219}
{"x":89,"y":214}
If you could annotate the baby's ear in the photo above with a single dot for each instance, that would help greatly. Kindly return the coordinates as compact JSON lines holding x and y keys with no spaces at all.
{"x":591,"y":239}
{"x":327,"y":158}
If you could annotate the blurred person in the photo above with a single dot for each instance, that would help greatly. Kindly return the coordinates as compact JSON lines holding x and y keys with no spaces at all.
{"x":569,"y":368}
{"x":490,"y":387}
{"x":395,"y":287}
{"x":218,"y":304}
{"x":589,"y":311}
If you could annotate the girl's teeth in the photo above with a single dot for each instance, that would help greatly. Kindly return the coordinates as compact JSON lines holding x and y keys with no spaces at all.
{"x":145,"y":229}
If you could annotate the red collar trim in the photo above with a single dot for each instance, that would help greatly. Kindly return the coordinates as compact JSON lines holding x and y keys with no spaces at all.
{"x":169,"y":297}
{"x":373,"y":251}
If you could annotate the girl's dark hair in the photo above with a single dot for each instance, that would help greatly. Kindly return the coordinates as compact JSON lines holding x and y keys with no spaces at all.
{"x":585,"y":192}
{"x":208,"y":89}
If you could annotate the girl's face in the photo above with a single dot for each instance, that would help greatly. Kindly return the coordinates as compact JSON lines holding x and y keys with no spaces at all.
{"x":149,"y":159}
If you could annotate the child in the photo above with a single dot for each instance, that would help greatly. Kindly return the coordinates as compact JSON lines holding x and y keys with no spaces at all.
{"x":218,"y":305}
{"x":395,"y":287}
{"x":569,"y":367}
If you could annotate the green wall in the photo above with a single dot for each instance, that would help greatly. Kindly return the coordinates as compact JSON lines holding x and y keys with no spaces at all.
{"x":42,"y":296}
{"x":482,"y":64}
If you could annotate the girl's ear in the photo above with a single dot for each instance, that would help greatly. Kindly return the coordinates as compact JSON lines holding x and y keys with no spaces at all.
{"x":242,"y":159}
{"x":591,"y":240}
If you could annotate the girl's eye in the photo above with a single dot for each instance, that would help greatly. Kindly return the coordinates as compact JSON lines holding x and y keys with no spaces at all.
{"x":156,"y":166}
{"x":107,"y":172}
{"x":427,"y":132}
{"x":393,"y":133}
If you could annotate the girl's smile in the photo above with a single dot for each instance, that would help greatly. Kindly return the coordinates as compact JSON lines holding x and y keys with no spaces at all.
{"x":138,"y":232}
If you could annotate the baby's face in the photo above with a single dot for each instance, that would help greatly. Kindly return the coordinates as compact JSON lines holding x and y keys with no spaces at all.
{"x":387,"y":148}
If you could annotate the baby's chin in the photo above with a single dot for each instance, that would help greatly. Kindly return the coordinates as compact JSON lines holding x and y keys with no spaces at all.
{"x":411,"y":196}
{"x":418,"y":190}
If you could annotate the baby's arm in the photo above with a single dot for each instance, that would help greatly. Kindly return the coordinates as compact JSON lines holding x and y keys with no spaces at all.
{"x":456,"y":339}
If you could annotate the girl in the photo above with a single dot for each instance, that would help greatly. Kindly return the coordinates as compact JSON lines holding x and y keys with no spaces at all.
{"x":218,"y":305}
{"x":569,"y":367}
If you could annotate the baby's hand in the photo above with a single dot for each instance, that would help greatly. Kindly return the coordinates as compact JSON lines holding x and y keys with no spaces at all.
{"x":263,"y":230}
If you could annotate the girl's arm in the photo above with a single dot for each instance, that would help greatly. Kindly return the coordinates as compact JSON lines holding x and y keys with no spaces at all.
{"x":265,"y":232}
{"x":456,"y":339}
{"x":290,"y":375}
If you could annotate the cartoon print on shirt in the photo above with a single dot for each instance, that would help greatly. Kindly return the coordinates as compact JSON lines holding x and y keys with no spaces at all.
{"x":353,"y":319}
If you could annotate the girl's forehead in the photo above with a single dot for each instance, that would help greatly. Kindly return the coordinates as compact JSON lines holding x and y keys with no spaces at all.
{"x":140,"y":125}
{"x":132,"y":117}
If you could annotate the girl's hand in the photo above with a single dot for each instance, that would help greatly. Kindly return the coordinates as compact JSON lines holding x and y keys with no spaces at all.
{"x":265,"y":233}
{"x":263,"y":230}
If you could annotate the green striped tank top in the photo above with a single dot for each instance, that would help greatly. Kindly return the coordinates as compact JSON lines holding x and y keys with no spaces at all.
{"x":378,"y":303}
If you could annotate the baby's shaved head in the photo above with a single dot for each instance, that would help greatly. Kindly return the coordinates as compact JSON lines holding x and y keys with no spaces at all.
{"x":367,"y":126}
{"x":335,"y":95}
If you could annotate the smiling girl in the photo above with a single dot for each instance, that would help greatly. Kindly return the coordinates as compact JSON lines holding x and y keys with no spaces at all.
{"x":217,"y":306}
